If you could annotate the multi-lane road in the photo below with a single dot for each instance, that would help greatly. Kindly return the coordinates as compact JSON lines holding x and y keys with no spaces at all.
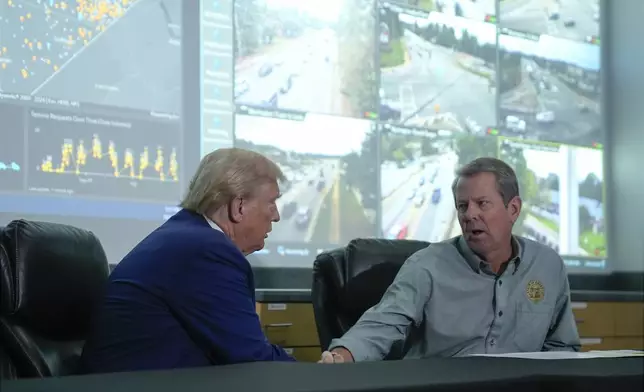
{"x":571,"y":19}
{"x":550,"y":109}
{"x":133,"y":61}
{"x":432,"y":82}
{"x":300,"y":73}
{"x":300,"y":203}
{"x":422,"y":206}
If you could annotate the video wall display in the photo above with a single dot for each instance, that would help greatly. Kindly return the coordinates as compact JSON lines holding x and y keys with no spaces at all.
{"x":369,"y":107}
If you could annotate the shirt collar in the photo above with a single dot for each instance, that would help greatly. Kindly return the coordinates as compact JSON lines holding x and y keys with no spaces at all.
{"x":213,"y":224}
{"x":477,"y":264}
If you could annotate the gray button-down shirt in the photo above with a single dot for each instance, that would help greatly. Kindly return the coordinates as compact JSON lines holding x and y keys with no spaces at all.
{"x":447,"y":302}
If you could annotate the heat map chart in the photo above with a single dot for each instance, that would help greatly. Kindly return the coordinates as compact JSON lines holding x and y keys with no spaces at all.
{"x":102,"y":157}
{"x":124,"y":53}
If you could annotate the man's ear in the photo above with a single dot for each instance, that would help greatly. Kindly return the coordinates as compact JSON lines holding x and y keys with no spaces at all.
{"x":514,"y":208}
{"x":236,"y":210}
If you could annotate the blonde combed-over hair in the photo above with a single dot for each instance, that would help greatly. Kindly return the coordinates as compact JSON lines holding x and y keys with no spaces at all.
{"x":225,"y":174}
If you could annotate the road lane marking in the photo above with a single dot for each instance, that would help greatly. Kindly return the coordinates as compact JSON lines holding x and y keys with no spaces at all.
{"x":317,"y":209}
{"x":84,"y":47}
{"x":334,"y":227}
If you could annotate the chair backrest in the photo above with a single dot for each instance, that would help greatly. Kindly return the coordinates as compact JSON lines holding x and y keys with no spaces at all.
{"x":52,"y":279}
{"x":348,"y":281}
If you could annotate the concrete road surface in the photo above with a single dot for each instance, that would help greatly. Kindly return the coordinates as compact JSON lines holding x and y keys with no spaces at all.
{"x":305,"y":195}
{"x":410,"y":209}
{"x":576,"y":118}
{"x":532,"y":16}
{"x":135,"y":62}
{"x":309,"y":61}
{"x":433,"y":77}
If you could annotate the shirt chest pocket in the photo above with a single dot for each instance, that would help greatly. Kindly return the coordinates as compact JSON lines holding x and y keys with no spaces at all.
{"x":532,"y":325}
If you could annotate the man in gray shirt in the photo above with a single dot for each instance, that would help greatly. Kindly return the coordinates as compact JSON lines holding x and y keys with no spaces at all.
{"x":486,"y":291}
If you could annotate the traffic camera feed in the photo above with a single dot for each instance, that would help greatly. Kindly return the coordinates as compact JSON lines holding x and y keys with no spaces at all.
{"x":479,"y":10}
{"x":561,"y":188}
{"x":437,"y":72}
{"x":330,"y":193}
{"x":122,"y":53}
{"x":571,"y":19}
{"x":417,"y":169}
{"x":550,"y":89}
{"x":306,"y":57}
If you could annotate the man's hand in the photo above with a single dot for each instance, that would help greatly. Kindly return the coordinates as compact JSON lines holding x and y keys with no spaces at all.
{"x":337,"y":355}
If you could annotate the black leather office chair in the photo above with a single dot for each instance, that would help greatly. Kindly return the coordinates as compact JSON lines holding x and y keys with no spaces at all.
{"x":350,"y":280}
{"x":52,"y":278}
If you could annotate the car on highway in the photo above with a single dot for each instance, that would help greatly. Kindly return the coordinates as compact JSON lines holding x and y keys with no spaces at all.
{"x":545,"y":117}
{"x":570,"y":23}
{"x":514,"y":123}
{"x":412,"y":194}
{"x":288,"y":210}
{"x":397,"y":232}
{"x":303,"y":218}
{"x":384,"y":34}
{"x":419,"y":200}
{"x":436,"y":196}
{"x":288,"y":83}
{"x":265,"y":70}
{"x":321,"y":185}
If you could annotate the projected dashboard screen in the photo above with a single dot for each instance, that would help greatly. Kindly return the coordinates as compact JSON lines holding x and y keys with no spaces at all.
{"x":90,"y":125}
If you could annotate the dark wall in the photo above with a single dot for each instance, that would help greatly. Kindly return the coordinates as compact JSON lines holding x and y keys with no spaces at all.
{"x":623,"y":40}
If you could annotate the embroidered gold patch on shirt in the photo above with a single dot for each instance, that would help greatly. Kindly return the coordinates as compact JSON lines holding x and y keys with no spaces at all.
{"x":535,"y":291}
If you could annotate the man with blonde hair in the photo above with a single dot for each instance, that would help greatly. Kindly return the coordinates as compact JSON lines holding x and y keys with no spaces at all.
{"x":185,"y":295}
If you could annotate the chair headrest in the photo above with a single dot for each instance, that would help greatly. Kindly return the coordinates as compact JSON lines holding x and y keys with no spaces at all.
{"x":54,"y":274}
{"x":364,"y":253}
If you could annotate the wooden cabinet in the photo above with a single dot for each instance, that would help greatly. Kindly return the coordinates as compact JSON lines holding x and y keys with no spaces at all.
{"x":601,"y":325}
{"x":610,"y":325}
{"x":292,"y":326}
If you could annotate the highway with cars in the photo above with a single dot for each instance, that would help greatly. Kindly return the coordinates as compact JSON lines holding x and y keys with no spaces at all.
{"x":571,"y":19}
{"x":301,"y":201}
{"x":422,"y":207}
{"x":129,"y":57}
{"x":550,"y":109}
{"x":301,"y":73}
{"x":433,"y":83}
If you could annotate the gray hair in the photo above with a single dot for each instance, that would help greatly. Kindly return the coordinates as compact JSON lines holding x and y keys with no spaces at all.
{"x":506,"y":179}
{"x":225,"y":174}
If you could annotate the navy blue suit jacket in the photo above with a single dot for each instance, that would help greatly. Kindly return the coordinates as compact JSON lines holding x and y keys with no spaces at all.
{"x":183,"y":297}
